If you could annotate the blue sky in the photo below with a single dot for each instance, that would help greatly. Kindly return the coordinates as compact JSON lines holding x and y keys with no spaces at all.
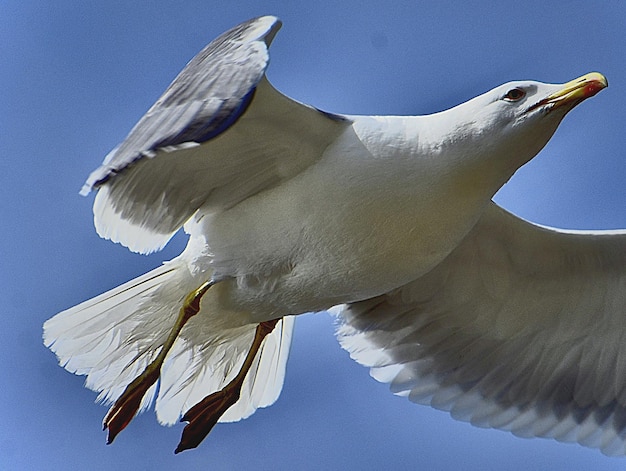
{"x":76,"y":76}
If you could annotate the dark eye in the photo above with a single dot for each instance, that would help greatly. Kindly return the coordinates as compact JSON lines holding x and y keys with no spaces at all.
{"x":515,"y":94}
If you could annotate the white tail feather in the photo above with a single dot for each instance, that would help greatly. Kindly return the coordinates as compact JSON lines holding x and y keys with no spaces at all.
{"x":113,"y":337}
{"x":216,"y":361}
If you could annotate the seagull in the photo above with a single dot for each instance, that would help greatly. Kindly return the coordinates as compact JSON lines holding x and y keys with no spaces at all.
{"x":385,"y":221}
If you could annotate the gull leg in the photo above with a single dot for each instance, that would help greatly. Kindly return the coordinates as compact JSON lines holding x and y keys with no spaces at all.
{"x":124,"y":409}
{"x":204,"y":415}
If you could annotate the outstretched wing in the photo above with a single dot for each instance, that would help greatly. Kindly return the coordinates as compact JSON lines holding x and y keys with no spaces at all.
{"x":521,"y":328}
{"x":219,"y":134}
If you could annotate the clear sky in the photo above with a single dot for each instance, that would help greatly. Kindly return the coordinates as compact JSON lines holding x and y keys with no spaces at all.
{"x":76,"y":76}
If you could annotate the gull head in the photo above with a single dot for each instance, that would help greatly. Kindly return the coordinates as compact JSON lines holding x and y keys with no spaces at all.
{"x":535,"y":105}
{"x":507,"y":126}
{"x":529,"y":112}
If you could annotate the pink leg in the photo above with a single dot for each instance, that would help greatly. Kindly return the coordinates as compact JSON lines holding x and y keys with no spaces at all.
{"x":125,"y":408}
{"x":203,"y":416}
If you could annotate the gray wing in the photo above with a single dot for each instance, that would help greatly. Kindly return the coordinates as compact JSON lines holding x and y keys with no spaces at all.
{"x":522,"y":328}
{"x":219,"y":134}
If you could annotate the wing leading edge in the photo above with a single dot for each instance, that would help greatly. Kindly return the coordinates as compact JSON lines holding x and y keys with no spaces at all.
{"x":219,"y":134}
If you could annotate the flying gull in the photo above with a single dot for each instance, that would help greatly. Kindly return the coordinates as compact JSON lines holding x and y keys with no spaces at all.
{"x":385,"y":221}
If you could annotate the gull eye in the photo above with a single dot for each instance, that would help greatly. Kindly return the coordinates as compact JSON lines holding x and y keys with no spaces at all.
{"x":515,"y":94}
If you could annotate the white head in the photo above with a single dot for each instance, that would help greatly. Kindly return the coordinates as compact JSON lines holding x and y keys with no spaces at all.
{"x":506,"y":127}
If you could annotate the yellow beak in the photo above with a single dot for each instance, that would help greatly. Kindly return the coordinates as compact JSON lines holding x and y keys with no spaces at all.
{"x":577,"y":90}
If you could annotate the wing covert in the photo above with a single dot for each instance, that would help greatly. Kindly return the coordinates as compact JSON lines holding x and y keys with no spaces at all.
{"x":219,"y":134}
{"x":206,"y":97}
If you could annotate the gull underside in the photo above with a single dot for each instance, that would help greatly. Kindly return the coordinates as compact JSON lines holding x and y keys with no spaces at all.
{"x":386,"y":221}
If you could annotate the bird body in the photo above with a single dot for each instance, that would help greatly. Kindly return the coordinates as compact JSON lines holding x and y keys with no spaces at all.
{"x":386,"y":221}
{"x":387,"y":186}
{"x":381,"y":204}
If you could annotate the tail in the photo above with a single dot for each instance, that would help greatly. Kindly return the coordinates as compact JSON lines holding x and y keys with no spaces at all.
{"x":113,"y":337}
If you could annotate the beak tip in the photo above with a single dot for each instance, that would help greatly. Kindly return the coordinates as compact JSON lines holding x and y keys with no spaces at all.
{"x":595,"y":83}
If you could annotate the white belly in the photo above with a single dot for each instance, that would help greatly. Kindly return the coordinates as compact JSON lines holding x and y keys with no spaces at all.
{"x":351,"y":227}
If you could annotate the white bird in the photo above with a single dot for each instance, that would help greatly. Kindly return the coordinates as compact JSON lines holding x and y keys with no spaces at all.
{"x":386,"y":221}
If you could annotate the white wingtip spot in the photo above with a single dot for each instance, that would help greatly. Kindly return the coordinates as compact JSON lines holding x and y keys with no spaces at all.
{"x":85,"y":190}
{"x":110,"y":225}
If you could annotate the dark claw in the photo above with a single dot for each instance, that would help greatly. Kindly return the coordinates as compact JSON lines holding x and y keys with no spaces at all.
{"x":203,"y":416}
{"x":125,"y":408}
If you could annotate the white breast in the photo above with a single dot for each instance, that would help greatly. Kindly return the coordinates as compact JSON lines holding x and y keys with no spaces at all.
{"x":374,"y":213}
